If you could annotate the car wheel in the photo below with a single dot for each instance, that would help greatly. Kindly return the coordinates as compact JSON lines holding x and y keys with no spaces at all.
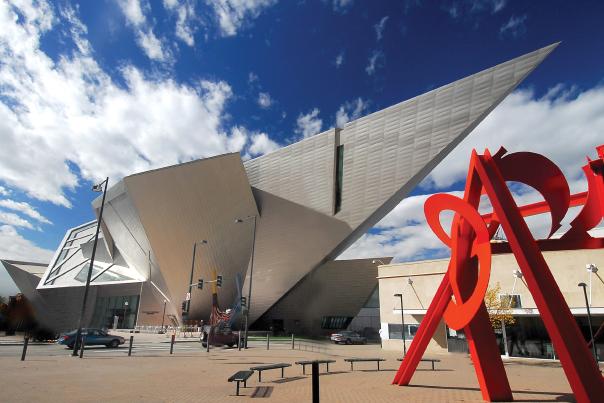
{"x":348,"y":341}
{"x":230,"y":345}
{"x":114,"y":343}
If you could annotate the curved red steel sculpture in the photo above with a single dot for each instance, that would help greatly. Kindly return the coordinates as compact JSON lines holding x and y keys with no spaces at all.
{"x":459,"y":299}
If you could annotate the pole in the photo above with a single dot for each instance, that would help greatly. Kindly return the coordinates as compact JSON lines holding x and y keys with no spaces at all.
{"x":591,"y":333}
{"x":86,"y":289}
{"x":268,"y":341}
{"x":25,"y":343}
{"x":315,"y":382}
{"x":249,"y":294}
{"x":172,"y":343}
{"x":82,"y":346}
{"x":130,"y":346}
{"x":292,"y":341}
{"x":208,"y":340}
{"x":403,"y":322}
{"x":163,"y":316}
{"x":191,"y":279}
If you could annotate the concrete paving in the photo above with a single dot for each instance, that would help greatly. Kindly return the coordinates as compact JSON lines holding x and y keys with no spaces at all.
{"x":153,"y":375}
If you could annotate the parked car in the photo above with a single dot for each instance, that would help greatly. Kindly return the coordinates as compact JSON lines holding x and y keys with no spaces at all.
{"x":221,"y":336}
{"x":348,"y":337}
{"x":94,"y":337}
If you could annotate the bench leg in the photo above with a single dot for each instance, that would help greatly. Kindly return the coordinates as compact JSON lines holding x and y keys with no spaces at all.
{"x":378,"y":365}
{"x":237,"y":388}
{"x":282,"y":372}
{"x":259,"y":376}
{"x":432,"y":365}
{"x":245,"y":383}
{"x":327,"y":367}
{"x":351,"y":366}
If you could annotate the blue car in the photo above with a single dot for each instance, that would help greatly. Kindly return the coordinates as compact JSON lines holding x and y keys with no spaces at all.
{"x":93,"y":337}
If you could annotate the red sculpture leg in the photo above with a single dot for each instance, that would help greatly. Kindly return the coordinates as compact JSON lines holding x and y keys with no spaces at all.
{"x":578,"y":363}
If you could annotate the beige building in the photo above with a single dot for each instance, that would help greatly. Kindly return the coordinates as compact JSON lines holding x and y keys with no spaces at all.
{"x":418,"y":282}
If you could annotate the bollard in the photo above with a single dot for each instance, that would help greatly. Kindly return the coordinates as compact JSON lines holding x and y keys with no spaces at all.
{"x":172,"y":343}
{"x":292,"y":341}
{"x":268,"y":341}
{"x":82,"y":346}
{"x":25,"y":343}
{"x":315,"y":382}
{"x":239,"y":343}
{"x":208,"y":340}
{"x":130,"y":346}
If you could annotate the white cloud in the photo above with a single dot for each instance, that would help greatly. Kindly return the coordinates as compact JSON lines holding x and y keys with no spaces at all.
{"x":262,"y":144}
{"x":339,"y":59}
{"x":514,"y":27}
{"x":457,"y":9}
{"x":309,"y":124}
{"x":559,"y":126}
{"x":264,"y":100}
{"x":24,"y":208}
{"x":379,"y":28}
{"x":233,"y":14}
{"x":350,"y":110}
{"x":4,"y":191}
{"x":185,"y":19}
{"x":342,"y":6}
{"x":252,"y":77}
{"x":75,"y":123}
{"x":134,"y":11}
{"x":375,"y":61}
{"x":14,"y":220}
{"x":14,"y":246}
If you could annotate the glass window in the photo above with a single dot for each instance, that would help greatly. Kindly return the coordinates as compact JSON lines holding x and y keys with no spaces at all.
{"x":394,"y":331}
{"x":335,"y":322}
{"x":510,"y":300}
{"x":339,"y":177}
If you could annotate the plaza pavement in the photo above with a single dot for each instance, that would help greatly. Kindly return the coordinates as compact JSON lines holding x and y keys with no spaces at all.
{"x":192,"y":375}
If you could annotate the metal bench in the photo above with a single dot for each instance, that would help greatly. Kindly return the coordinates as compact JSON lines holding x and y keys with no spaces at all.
{"x":431,"y":360}
{"x":309,"y":362}
{"x":353,"y":360}
{"x":241,"y":376}
{"x":261,"y":368}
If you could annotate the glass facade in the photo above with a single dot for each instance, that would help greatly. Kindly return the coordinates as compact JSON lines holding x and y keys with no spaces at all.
{"x":394,"y":331}
{"x":335,"y":322}
{"x":339,"y":176}
{"x":527,"y":338}
{"x":107,"y":309}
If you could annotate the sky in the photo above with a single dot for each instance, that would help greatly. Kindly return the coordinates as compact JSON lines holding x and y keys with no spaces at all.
{"x":108,"y":88}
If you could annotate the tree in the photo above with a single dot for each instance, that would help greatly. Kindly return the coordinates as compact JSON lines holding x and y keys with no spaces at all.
{"x":498,"y":307}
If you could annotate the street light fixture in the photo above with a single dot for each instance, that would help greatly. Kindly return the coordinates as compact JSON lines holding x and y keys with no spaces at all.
{"x":96,"y":188}
{"x":249,"y":294}
{"x":188,"y":302}
{"x":403,"y":322}
{"x":591,"y":333}
{"x":592,"y":269}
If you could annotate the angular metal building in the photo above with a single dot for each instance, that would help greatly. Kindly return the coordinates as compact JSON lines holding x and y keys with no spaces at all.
{"x":311,"y":199}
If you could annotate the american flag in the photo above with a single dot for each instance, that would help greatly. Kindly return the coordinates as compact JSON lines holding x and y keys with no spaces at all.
{"x":217,"y":315}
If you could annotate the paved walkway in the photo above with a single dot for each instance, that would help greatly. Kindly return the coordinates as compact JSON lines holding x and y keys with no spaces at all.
{"x":191,"y":375}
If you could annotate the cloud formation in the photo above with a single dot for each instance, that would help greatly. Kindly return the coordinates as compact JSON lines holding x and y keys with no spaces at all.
{"x":264,"y":100}
{"x":309,"y":124}
{"x":379,"y":28}
{"x":350,"y":110}
{"x":232,"y":15}
{"x":134,"y":11}
{"x":375,"y":60}
{"x":514,"y":27}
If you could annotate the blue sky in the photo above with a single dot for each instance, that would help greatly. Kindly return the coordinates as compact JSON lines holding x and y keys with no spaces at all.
{"x":112,"y":87}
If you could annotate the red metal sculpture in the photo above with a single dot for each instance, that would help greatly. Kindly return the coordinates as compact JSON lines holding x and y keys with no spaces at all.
{"x":460,"y":296}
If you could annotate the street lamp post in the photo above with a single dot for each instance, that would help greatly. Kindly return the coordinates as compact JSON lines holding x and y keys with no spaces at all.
{"x":591,"y":333}
{"x":95,"y":188}
{"x":249,"y":294}
{"x":592,"y":269}
{"x":403,"y":322}
{"x":163,"y":317}
{"x":190,"y":285}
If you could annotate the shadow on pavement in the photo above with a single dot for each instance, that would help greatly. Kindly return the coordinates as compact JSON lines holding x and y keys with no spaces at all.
{"x":262,"y":391}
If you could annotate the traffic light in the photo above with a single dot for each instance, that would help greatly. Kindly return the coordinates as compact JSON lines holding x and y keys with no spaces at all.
{"x":243,"y":302}
{"x":200,"y":283}
{"x":219,"y":281}
{"x":184,"y":306}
